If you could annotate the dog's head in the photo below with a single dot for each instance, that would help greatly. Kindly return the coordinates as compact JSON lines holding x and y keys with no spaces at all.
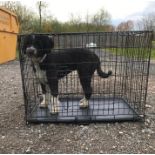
{"x":36,"y":46}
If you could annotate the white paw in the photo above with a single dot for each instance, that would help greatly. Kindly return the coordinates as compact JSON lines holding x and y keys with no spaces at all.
{"x":43,"y":103}
{"x":54,"y":105}
{"x":54,"y":110}
{"x":84,"y":103}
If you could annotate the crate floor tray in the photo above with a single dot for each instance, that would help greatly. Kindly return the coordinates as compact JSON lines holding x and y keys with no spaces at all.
{"x":100,"y":110}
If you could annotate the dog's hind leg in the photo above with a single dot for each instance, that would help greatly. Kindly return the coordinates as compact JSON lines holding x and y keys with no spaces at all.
{"x":86,"y":85}
{"x":43,"y":103}
{"x":55,"y":103}
{"x":53,"y":85}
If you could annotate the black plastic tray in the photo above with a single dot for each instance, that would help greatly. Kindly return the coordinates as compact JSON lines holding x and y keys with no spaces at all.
{"x":100,"y":110}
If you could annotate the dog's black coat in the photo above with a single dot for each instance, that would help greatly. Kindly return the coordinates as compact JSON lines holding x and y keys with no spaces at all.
{"x":58,"y":63}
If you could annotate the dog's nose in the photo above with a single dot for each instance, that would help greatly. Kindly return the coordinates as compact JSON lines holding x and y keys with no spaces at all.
{"x":30,"y":50}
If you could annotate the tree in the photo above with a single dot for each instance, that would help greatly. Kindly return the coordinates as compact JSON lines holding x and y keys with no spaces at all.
{"x":75,"y":22}
{"x":101,"y":18}
{"x":125,"y":26}
{"x":87,"y":18}
{"x":147,"y":22}
{"x":41,"y":5}
{"x":31,"y":22}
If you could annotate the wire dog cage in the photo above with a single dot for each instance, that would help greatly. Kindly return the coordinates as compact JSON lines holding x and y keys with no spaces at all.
{"x":120,"y":97}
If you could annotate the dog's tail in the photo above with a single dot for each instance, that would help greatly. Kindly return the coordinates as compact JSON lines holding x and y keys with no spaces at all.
{"x":101,"y":73}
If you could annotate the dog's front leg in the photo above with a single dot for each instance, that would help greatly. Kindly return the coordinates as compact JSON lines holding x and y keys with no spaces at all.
{"x":55,"y":103}
{"x":53,"y":85}
{"x":43,"y":102}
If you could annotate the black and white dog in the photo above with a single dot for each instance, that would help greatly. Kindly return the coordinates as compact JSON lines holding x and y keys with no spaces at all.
{"x":51,"y":65}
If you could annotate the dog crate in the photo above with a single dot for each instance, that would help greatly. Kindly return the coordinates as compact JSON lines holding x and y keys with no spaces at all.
{"x":120,"y":97}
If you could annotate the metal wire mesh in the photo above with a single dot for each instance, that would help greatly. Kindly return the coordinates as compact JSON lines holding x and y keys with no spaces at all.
{"x":119,"y":97}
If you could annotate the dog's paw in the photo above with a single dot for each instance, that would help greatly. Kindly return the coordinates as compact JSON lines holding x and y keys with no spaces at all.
{"x":43,"y":103}
{"x":54,"y":110}
{"x":84,"y":103}
{"x":55,"y":106}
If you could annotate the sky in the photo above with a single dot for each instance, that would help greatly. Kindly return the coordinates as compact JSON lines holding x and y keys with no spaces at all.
{"x":120,"y":10}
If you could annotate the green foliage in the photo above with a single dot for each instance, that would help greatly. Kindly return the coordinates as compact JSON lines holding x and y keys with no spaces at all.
{"x":136,"y":53}
{"x":101,"y":18}
{"x":153,"y":43}
{"x":30,"y":21}
{"x":153,"y":50}
{"x":153,"y":53}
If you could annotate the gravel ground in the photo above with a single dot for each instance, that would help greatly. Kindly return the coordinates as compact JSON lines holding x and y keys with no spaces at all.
{"x":17,"y":137}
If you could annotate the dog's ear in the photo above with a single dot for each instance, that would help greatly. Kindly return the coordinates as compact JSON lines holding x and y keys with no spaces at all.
{"x":51,"y":41}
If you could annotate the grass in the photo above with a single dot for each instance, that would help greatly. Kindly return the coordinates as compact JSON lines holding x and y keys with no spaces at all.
{"x":153,"y":53}
{"x":133,"y":52}
{"x":153,"y":42}
{"x":153,"y":50}
{"x":136,"y":53}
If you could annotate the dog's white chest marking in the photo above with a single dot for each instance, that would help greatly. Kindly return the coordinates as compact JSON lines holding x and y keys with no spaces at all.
{"x":40,"y":74}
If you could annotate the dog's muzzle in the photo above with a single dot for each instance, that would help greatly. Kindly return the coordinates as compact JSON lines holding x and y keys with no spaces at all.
{"x":31,"y":51}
